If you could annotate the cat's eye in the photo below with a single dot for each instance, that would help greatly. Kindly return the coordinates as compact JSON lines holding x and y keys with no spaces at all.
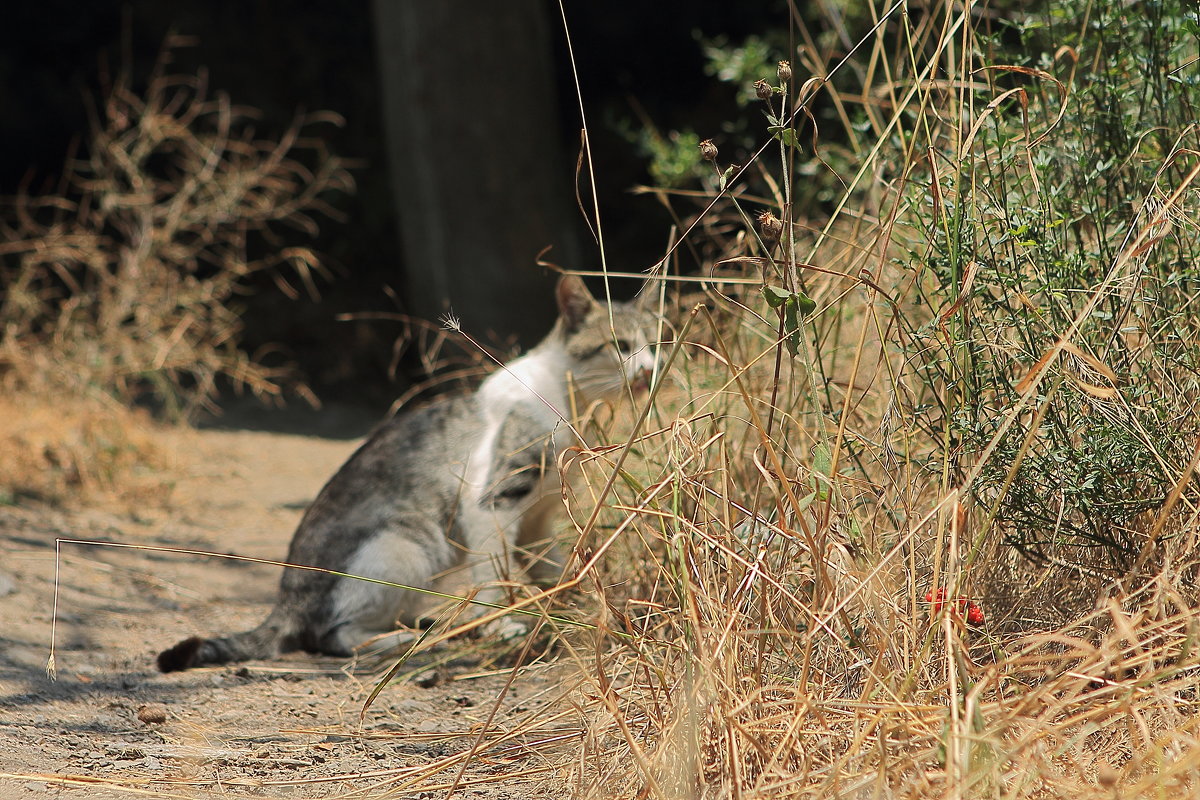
{"x":514,"y":493}
{"x":624,"y":348}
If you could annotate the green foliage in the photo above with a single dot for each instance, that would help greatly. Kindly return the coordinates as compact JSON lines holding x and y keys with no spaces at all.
{"x":672,"y":157}
{"x":1039,"y":214}
{"x":672,"y":160}
{"x":1045,"y":298}
{"x":741,"y":65}
{"x":793,"y":307}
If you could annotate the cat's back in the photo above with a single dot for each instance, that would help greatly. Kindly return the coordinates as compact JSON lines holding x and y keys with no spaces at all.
{"x":418,"y":439}
{"x":407,"y":461}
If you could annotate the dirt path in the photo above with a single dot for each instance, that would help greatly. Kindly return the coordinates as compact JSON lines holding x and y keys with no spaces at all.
{"x":282,"y":729}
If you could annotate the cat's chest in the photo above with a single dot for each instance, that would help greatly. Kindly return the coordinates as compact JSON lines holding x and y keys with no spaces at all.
{"x":537,"y":380}
{"x":520,"y":436}
{"x":519,"y":431}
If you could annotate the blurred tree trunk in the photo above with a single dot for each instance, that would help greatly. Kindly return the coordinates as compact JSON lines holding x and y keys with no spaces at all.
{"x":477,"y":172}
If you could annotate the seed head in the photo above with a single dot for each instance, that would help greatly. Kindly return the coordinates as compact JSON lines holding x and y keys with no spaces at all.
{"x":769,"y":228}
{"x":785,"y":71}
{"x":762,"y":89}
{"x":708,"y":150}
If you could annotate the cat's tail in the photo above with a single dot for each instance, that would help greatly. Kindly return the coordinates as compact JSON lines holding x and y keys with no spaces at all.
{"x":265,"y":641}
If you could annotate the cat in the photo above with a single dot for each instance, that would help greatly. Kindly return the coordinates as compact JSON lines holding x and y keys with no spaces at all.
{"x":465,"y":481}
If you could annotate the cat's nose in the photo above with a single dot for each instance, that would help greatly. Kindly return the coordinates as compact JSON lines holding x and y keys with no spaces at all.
{"x":641,"y":379}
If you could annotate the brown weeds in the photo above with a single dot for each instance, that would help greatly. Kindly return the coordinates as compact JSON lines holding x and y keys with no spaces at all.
{"x":125,"y":283}
{"x":67,"y":451}
{"x":763,"y":627}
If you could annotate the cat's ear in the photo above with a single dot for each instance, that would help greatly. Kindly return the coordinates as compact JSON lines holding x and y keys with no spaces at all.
{"x":575,"y":302}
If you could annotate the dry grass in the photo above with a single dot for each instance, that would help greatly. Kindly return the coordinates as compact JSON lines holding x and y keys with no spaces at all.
{"x":763,"y":547}
{"x":124,"y":283}
{"x":80,"y":451}
{"x":122,"y":287}
{"x":757,"y":554}
{"x":755,"y":668}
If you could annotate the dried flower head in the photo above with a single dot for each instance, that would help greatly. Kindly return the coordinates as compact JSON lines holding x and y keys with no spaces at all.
{"x":785,"y":71}
{"x":769,"y":228}
{"x":762,"y":89}
{"x":708,"y":150}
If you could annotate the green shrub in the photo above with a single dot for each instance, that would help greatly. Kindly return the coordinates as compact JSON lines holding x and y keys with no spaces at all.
{"x":1057,"y":218}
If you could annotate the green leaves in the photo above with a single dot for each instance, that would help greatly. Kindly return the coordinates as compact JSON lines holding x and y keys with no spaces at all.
{"x":784,"y":134}
{"x":726,"y":175}
{"x":822,"y":464}
{"x":796,"y":306}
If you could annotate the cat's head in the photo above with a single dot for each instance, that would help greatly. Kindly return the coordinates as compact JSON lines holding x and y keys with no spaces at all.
{"x":606,"y":352}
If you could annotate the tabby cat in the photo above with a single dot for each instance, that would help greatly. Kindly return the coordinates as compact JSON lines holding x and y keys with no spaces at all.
{"x":466,"y":481}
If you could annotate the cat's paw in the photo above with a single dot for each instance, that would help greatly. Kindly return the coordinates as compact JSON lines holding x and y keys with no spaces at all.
{"x":507,"y":628}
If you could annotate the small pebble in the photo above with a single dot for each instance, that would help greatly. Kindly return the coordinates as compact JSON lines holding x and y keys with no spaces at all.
{"x":152,"y":714}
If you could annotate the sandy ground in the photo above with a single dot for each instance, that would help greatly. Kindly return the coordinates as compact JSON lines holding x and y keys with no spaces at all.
{"x":112,"y":726}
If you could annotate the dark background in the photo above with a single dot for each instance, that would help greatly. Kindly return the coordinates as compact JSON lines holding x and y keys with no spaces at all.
{"x":284,"y":57}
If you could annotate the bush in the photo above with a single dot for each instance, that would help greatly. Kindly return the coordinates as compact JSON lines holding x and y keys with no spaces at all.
{"x":987,"y":340}
{"x":1055,"y":267}
{"x":126,"y":283}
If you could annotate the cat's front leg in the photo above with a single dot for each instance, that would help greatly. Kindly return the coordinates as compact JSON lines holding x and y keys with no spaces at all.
{"x":494,"y":567}
{"x":537,"y":540}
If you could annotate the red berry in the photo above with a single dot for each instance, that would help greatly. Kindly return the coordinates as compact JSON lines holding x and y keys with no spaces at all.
{"x":937,"y":599}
